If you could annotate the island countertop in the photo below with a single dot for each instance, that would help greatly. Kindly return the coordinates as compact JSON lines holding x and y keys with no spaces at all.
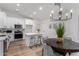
{"x":33,"y":33}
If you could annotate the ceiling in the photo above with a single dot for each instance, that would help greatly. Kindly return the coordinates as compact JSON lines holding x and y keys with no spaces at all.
{"x":26,"y":9}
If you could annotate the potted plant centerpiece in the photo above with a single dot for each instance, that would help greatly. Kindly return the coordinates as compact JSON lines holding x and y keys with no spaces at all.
{"x":60,"y":30}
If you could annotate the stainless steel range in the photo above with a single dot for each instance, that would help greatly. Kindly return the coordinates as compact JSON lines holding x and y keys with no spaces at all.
{"x":18,"y":33}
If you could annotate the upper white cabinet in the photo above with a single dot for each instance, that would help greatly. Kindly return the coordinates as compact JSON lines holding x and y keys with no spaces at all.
{"x":11,"y":21}
{"x":29,"y":25}
{"x":8,"y":21}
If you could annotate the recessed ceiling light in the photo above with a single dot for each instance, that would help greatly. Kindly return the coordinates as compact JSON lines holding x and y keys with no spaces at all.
{"x":17,"y":9}
{"x":40,"y":8}
{"x":34,"y":13}
{"x":71,"y":10}
{"x":17,"y":4}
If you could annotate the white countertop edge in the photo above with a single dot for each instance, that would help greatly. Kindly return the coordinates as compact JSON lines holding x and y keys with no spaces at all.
{"x":33,"y":33}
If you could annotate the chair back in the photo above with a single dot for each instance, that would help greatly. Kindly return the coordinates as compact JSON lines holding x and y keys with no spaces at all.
{"x":47,"y":50}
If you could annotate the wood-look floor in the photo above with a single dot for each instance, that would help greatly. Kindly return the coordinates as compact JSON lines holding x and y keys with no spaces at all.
{"x":19,"y":48}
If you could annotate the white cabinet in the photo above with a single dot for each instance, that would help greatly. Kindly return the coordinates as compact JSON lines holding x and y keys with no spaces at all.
{"x":29,"y":28}
{"x":11,"y":21}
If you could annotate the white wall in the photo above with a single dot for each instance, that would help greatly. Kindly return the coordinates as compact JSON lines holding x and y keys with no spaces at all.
{"x":72,"y":28}
{"x":46,"y":30}
{"x":73,"y":24}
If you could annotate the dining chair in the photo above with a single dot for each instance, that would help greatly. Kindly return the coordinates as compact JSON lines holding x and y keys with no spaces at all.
{"x":7,"y":43}
{"x":32,"y":41}
{"x":37,"y":40}
{"x":48,"y":51}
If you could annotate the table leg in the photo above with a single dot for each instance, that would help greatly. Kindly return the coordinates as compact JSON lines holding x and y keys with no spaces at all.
{"x":42,"y":52}
{"x":64,"y":54}
{"x":69,"y":53}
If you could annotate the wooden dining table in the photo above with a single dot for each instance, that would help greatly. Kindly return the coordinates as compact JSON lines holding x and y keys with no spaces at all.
{"x":67,"y":46}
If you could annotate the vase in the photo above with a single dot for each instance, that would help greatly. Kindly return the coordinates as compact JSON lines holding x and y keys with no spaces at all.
{"x":59,"y":40}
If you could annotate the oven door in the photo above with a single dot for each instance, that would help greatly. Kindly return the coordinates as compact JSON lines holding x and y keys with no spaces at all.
{"x":18,"y":35}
